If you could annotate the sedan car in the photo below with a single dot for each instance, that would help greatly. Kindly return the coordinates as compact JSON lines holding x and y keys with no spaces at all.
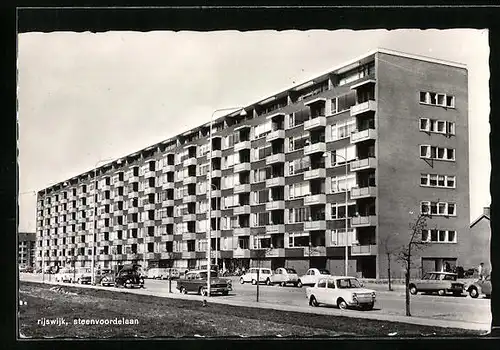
{"x":83,"y":275}
{"x":284,"y":276}
{"x":65,"y":275}
{"x":265,"y":276}
{"x":312,"y":276}
{"x":440,"y":282}
{"x":196,"y":281}
{"x":480,"y":287}
{"x":341,"y":291}
{"x":105,"y":277}
{"x":129,"y":277}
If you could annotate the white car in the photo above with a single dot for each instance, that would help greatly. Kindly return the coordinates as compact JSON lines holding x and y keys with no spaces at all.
{"x":157,"y":273}
{"x":83,"y":275}
{"x":341,"y":291}
{"x":65,"y":275}
{"x":312,"y":276}
{"x":284,"y":276}
{"x":265,"y":276}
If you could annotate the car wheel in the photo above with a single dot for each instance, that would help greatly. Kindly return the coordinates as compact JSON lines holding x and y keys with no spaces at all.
{"x":203,"y":291}
{"x":183,"y":290}
{"x":79,"y":281}
{"x":254,"y":282}
{"x":413,"y":290}
{"x":268,"y":282}
{"x":225,"y":292}
{"x":313,"y":301}
{"x":441,"y":292}
{"x":299,"y":284}
{"x":283,"y":284}
{"x":473,"y":292}
{"x":341,"y":304}
{"x":103,"y":282}
{"x":457,"y":294}
{"x":368,"y":306}
{"x":242,"y":281}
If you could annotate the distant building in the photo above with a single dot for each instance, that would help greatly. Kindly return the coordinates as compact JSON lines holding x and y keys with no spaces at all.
{"x":480,"y":235}
{"x":26,"y":249}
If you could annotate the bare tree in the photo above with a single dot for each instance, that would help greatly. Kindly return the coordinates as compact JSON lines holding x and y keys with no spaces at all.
{"x":405,"y":253}
{"x":390,"y":251}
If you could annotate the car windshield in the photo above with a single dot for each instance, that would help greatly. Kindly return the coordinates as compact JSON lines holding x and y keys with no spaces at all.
{"x":324,"y":271}
{"x":348,"y":283}
{"x":291,"y":271}
{"x":204,"y":274}
{"x":450,"y":277}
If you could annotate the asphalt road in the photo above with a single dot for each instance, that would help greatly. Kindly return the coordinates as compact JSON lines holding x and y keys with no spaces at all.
{"x":443,"y":308}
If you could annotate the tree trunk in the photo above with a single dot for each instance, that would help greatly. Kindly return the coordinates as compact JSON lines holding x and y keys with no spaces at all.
{"x":389,"y":270}
{"x":407,"y":281}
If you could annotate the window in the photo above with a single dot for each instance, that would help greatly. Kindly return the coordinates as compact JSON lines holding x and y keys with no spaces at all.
{"x":343,"y":129}
{"x":341,"y":183}
{"x":297,"y":143}
{"x":439,"y":236}
{"x":299,"y":189}
{"x":435,"y":180}
{"x":438,"y":208}
{"x":341,"y":155}
{"x":262,"y":130}
{"x":338,"y":210}
{"x":437,"y":126}
{"x":435,"y":99}
{"x":437,"y":153}
{"x":296,"y":215}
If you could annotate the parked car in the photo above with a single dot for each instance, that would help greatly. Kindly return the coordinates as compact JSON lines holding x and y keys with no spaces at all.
{"x":105,"y":277}
{"x":440,"y":282}
{"x":172,"y":273}
{"x":480,"y":287}
{"x":196,"y":281}
{"x":26,"y":269}
{"x":265,"y":276}
{"x":284,"y":276}
{"x":312,"y":276}
{"x":341,"y":291}
{"x":129,"y":277}
{"x":83,"y":275}
{"x":65,"y":275}
{"x":156,"y":273}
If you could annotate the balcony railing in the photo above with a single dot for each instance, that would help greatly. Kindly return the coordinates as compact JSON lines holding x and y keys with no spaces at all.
{"x":275,"y":158}
{"x":314,"y":148}
{"x":275,"y":205}
{"x":242,"y":167}
{"x":242,"y":188}
{"x":364,"y":135}
{"x":315,"y":123}
{"x":314,"y":173}
{"x":189,"y":161}
{"x":364,"y":250}
{"x":189,"y":199}
{"x":315,"y":225}
{"x":242,"y":209}
{"x":241,"y":231}
{"x":361,"y":164}
{"x":368,"y":106}
{"x":315,"y":199}
{"x":275,"y":135}
{"x":363,"y":221}
{"x":272,"y":229}
{"x":189,"y":180}
{"x":168,"y":168}
{"x":275,"y":181}
{"x":363,"y":192}
{"x":241,"y":146}
{"x":167,"y":185}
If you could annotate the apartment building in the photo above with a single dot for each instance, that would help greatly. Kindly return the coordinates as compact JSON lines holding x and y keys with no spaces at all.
{"x":26,"y":249}
{"x":396,"y":123}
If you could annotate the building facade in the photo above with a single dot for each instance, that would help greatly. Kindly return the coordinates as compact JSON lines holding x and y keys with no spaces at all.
{"x":397,"y":124}
{"x":480,"y":239}
{"x":26,"y":249}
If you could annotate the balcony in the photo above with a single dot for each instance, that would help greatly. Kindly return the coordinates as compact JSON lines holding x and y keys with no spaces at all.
{"x":167,"y":203}
{"x":149,"y":173}
{"x":214,"y":194}
{"x":167,"y":186}
{"x":272,"y":229}
{"x":357,"y":250}
{"x":188,"y":255}
{"x":118,"y":184}
{"x":104,"y":188}
{"x":149,"y":239}
{"x":133,"y":194}
{"x":242,"y":209}
{"x":241,"y":146}
{"x":362,"y":164}
{"x":105,"y":215}
{"x":275,"y":135}
{"x":133,"y":256}
{"x":150,"y":190}
{"x":133,"y":225}
{"x":241,"y":253}
{"x":275,"y":158}
{"x":275,"y":205}
{"x":364,"y":135}
{"x":275,"y":181}
{"x":368,"y":106}
{"x":105,"y":257}
{"x":315,"y":199}
{"x":189,"y":180}
{"x":242,"y":167}
{"x":189,"y":199}
{"x":133,"y":179}
{"x":314,"y":251}
{"x":106,"y":201}
{"x":168,"y":169}
{"x":118,"y":198}
{"x":364,"y":221}
{"x":363,"y":192}
{"x":319,"y":147}
{"x":216,"y":173}
{"x":241,"y":231}
{"x":242,"y":188}
{"x":119,"y":227}
{"x":132,"y":240}
{"x":215,"y":213}
{"x":149,"y":206}
{"x":314,"y":174}
{"x":315,"y":123}
{"x":166,"y":221}
{"x":189,"y":217}
{"x":275,"y":253}
{"x":189,"y":161}
{"x":315,"y":225}
{"x":215,"y":154}
{"x":167,"y":255}
{"x":149,"y":223}
{"x":132,"y":210}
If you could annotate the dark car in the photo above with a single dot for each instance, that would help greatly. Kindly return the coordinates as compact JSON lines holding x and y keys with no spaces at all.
{"x":480,"y":287}
{"x":129,"y":278}
{"x":105,"y":277}
{"x":196,"y":281}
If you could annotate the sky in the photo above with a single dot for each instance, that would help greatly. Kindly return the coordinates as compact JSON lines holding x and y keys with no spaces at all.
{"x":87,"y":97}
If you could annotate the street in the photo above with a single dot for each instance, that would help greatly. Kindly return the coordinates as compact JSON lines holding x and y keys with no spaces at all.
{"x":443,"y":308}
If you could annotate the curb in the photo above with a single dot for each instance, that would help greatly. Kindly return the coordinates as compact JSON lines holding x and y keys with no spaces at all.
{"x":302,"y":309}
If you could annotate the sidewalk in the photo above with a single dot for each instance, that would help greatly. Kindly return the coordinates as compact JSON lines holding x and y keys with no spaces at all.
{"x":304,"y":309}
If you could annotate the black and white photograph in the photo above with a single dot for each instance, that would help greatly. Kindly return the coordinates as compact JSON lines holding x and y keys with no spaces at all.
{"x":290,"y":184}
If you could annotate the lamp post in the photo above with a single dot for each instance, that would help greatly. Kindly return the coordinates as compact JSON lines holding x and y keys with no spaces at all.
{"x":209,"y":229}
{"x":346,"y":263}
{"x":94,"y":226}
